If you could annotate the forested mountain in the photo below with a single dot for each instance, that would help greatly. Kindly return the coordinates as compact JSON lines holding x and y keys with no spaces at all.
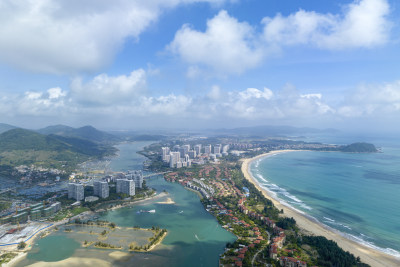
{"x":25,"y":147}
{"x":85,"y":132}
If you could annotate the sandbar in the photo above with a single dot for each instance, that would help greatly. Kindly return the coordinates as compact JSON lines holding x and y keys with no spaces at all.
{"x":167,"y":201}
{"x":74,"y":262}
{"x":367,"y":255}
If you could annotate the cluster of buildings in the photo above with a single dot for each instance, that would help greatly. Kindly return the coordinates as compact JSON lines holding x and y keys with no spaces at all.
{"x":125,"y":184}
{"x":205,"y":190}
{"x":291,"y":262}
{"x":280,"y":236}
{"x":184,"y":156}
{"x":33,"y":212}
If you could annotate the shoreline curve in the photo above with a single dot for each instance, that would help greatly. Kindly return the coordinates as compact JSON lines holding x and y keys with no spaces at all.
{"x":367,"y":255}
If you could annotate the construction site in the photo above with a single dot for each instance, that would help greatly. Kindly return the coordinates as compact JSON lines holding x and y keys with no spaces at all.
{"x":25,"y":223}
{"x":11,"y":235}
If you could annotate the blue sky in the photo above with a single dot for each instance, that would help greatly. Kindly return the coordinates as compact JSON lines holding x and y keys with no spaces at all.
{"x":200,"y":63}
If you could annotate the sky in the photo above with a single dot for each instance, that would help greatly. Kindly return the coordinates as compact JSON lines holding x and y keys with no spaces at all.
{"x":133,"y":64}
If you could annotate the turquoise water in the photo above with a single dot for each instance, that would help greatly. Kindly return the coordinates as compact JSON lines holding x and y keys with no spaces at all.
{"x":46,"y":250}
{"x":194,"y":236}
{"x":357,"y":194}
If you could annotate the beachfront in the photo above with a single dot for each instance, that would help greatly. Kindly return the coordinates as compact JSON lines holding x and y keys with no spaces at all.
{"x":367,"y":255}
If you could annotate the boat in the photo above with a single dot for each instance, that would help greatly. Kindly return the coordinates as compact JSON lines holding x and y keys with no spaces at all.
{"x":146,"y":211}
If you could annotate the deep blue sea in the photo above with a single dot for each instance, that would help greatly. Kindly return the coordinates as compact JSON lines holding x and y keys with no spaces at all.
{"x":357,"y":194}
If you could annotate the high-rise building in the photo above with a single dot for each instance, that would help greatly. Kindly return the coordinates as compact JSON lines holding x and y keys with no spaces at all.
{"x":182,"y":152}
{"x":187,"y":148}
{"x":207,"y":149}
{"x":165,"y":153}
{"x":174,"y":158}
{"x":76,"y":191}
{"x":217,"y":149}
{"x":101,"y":189}
{"x":192,"y":154}
{"x":56,"y":206}
{"x":137,"y":177}
{"x":126,"y":186}
{"x":197,"y":148}
{"x":225,"y":149}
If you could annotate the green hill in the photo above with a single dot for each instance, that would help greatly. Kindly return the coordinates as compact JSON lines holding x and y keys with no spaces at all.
{"x":25,"y":147}
{"x":85,"y":132}
{"x":359,"y":148}
{"x":5,"y":127}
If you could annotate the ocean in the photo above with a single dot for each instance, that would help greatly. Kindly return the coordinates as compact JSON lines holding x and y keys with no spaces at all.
{"x":355,"y":194}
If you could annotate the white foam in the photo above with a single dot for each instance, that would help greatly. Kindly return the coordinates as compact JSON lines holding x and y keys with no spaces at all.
{"x":274,"y":190}
{"x":369,"y":244}
{"x":329,"y":219}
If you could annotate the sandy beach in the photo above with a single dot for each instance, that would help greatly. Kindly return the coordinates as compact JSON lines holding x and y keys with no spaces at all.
{"x":71,"y":262}
{"x":367,"y":255}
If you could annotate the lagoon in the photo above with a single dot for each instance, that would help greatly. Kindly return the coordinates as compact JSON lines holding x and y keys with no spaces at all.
{"x":194,"y":236}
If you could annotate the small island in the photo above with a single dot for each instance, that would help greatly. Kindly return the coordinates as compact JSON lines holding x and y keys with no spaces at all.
{"x":107,"y":235}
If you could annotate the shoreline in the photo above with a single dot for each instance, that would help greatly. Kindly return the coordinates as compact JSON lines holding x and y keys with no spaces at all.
{"x":22,"y":254}
{"x":367,"y":255}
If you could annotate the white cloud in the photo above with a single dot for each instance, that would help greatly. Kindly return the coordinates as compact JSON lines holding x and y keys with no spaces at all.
{"x":215,"y":92}
{"x":125,"y":97}
{"x":363,"y":24}
{"x":55,"y":93}
{"x":70,"y":36}
{"x":106,"y":90}
{"x":373,"y":100}
{"x":49,"y":103}
{"x":255,"y":93}
{"x":227,"y":45}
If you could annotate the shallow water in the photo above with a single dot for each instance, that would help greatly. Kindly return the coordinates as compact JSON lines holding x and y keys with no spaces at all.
{"x":194,"y":236}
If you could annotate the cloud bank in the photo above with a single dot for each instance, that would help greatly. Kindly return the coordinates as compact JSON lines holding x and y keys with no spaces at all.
{"x":229,"y":46}
{"x":70,"y":36}
{"x":126,"y":97}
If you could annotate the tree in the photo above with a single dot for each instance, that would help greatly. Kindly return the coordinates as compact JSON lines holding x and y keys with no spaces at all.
{"x":21,"y":245}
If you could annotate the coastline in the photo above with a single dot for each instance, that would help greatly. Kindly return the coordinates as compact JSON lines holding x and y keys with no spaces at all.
{"x":22,"y":254}
{"x":367,"y":254}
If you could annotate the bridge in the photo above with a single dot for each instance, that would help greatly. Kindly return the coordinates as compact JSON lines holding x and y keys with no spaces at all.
{"x":154,"y":174}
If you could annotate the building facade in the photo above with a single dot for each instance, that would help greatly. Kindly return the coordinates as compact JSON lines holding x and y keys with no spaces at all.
{"x":101,"y":189}
{"x":126,"y":186}
{"x":76,"y":191}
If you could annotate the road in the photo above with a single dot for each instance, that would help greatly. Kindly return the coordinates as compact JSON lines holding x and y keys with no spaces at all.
{"x":154,"y":174}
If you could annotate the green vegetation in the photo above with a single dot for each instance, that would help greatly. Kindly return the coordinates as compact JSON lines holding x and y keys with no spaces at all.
{"x":159,"y":234}
{"x":105,"y":245}
{"x":67,"y":212}
{"x":6,"y":257}
{"x":5,"y":127}
{"x":359,"y":148}
{"x":85,"y":132}
{"x":24,"y":147}
{"x":5,"y":205}
{"x":21,"y":245}
{"x":329,"y":253}
{"x":78,"y":210}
